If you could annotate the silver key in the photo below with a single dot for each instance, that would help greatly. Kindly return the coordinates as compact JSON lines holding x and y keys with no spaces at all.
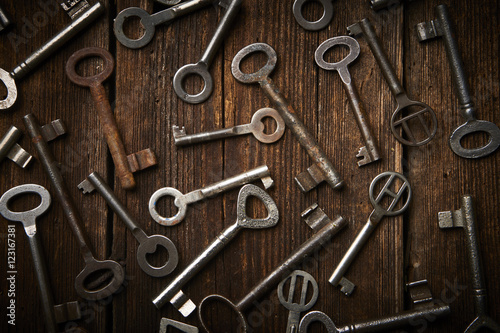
{"x":256,"y":127}
{"x":13,"y":151}
{"x":183,"y":200}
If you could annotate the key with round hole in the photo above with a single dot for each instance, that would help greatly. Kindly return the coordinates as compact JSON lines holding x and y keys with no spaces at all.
{"x":337,"y":278}
{"x":297,"y":308}
{"x":319,"y":24}
{"x":173,"y":293}
{"x":147,"y":244}
{"x":92,"y":265}
{"x":322,"y":169}
{"x":44,"y":52}
{"x":424,"y":114}
{"x":369,"y":153}
{"x":443,"y":27}
{"x":183,"y":200}
{"x":256,"y":127}
{"x":201,"y":67}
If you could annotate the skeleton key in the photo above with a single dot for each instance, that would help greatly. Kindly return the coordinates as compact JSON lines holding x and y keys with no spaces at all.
{"x":256,"y":127}
{"x":297,"y":308}
{"x":92,"y":265}
{"x":404,"y":103}
{"x":201,"y":67}
{"x":173,"y":293}
{"x":147,"y":244}
{"x":442,"y":26}
{"x":150,"y":21}
{"x":313,"y":25}
{"x":347,"y":287}
{"x":45,"y":51}
{"x":5,"y":21}
{"x":108,"y":122}
{"x":183,"y":200}
{"x":13,"y":151}
{"x":369,"y":153}
{"x":465,"y":217}
{"x":322,"y":169}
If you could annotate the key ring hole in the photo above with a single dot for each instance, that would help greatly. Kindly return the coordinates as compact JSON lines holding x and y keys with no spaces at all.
{"x":253,"y":62}
{"x":133,"y":27}
{"x":98,"y":279}
{"x":4,"y":91}
{"x":89,"y":67}
{"x":263,"y":72}
{"x":336,"y":53}
{"x":108,"y":64}
{"x":312,"y":10}
{"x":414,"y":124}
{"x":475,"y":140}
{"x":255,"y":208}
{"x":390,"y":193}
{"x":165,"y":206}
{"x":24,"y":202}
{"x":216,"y":306}
{"x":159,"y":257}
{"x":270,"y":125}
{"x":193,"y":83}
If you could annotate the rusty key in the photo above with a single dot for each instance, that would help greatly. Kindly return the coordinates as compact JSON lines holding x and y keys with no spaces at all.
{"x":115,"y":143}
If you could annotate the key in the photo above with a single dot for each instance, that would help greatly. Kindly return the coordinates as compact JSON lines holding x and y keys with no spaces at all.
{"x":323,"y":233}
{"x":465,"y":218}
{"x":183,"y":200}
{"x":165,"y":323}
{"x":384,"y":4}
{"x":5,"y":21}
{"x":92,"y":265}
{"x":417,"y":112}
{"x":443,"y":27}
{"x":173,"y":293}
{"x":108,"y":122}
{"x":45,"y":51}
{"x":13,"y":151}
{"x":256,"y":127}
{"x":347,"y":287}
{"x":201,"y":67}
{"x":297,"y":308}
{"x":150,"y":21}
{"x":147,"y":244}
{"x":313,"y":25}
{"x":369,"y":153}
{"x":322,"y":169}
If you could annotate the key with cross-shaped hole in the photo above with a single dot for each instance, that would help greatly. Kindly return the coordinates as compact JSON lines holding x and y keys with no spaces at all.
{"x":369,"y":153}
{"x":256,"y":127}
{"x":337,"y":278}
{"x":319,"y":24}
{"x":12,"y":150}
{"x":418,"y":112}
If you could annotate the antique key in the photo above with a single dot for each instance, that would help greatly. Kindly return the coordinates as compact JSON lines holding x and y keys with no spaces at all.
{"x":45,"y":51}
{"x":347,"y":287}
{"x":465,"y":218}
{"x":313,"y":25}
{"x":442,"y":26}
{"x":183,"y":200}
{"x":123,"y":169}
{"x":424,"y":114}
{"x":256,"y":127}
{"x":12,"y":150}
{"x":173,"y":293}
{"x":369,"y":153}
{"x":322,"y":169}
{"x":201,"y":67}
{"x":92,"y":265}
{"x":147,"y":244}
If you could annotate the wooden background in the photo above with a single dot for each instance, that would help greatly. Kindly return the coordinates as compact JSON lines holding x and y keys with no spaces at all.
{"x":402,"y":249}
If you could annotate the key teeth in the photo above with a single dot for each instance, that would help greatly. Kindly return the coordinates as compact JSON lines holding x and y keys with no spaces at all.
{"x":365,"y":157}
{"x":346,"y":286}
{"x":141,"y":160}
{"x":428,"y":30}
{"x":53,"y":130}
{"x":354,"y":30}
{"x":420,"y":294}
{"x":178,"y":131}
{"x":267,"y":182}
{"x":315,"y":217}
{"x":86,"y":186}
{"x":450,"y":219}
{"x":67,"y":312}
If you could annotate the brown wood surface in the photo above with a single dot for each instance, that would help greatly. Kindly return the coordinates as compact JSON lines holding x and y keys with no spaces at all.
{"x":402,"y":249}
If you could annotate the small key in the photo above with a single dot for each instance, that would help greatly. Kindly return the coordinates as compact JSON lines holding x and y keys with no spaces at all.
{"x":465,"y":218}
{"x":183,"y":200}
{"x":369,"y":153}
{"x":347,"y":287}
{"x":416,"y":110}
{"x":323,"y":21}
{"x":106,"y":117}
{"x":5,"y":21}
{"x":12,"y":150}
{"x":173,"y":293}
{"x":256,"y":127}
{"x":45,"y":51}
{"x":165,"y":323}
{"x":147,"y":244}
{"x":442,"y":27}
{"x":297,"y":308}
{"x":150,"y":21}
{"x":201,"y":67}
{"x":322,"y":169}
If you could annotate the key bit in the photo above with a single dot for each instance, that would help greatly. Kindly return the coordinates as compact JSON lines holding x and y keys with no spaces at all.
{"x":420,"y":294}
{"x":13,"y":151}
{"x":67,"y":312}
{"x":310,"y":178}
{"x":365,"y":156}
{"x":428,"y":30}
{"x":346,"y":286}
{"x":315,"y":217}
{"x":75,"y":8}
{"x":165,"y":323}
{"x":141,"y":160}
{"x":178,"y":131}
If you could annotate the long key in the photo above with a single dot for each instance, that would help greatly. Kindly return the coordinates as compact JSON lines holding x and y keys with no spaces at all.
{"x":92,"y":265}
{"x":443,"y":27}
{"x":147,"y":244}
{"x":106,"y":117}
{"x":173,"y":293}
{"x":323,"y":21}
{"x":13,"y":151}
{"x":369,"y":153}
{"x":465,"y":218}
{"x":183,"y":200}
{"x":256,"y":127}
{"x":45,"y":51}
{"x":418,"y":110}
{"x":347,"y":287}
{"x":150,"y":21}
{"x":201,"y":67}
{"x":322,"y":169}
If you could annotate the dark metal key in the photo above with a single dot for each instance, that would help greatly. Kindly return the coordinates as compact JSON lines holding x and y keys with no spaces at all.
{"x":319,"y":24}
